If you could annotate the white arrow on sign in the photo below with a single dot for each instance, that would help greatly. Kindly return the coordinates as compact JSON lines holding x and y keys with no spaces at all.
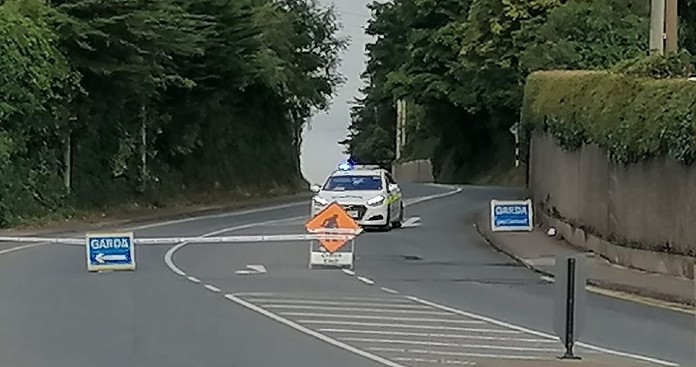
{"x":101,"y":258}
{"x":252,"y":269}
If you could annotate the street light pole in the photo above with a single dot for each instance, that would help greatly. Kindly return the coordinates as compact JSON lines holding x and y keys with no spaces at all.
{"x":671,"y":26}
{"x":657,"y":26}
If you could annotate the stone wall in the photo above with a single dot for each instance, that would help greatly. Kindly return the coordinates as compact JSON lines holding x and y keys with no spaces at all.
{"x":413,"y":171}
{"x":646,"y":206}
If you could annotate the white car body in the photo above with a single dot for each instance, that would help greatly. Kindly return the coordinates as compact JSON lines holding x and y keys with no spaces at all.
{"x":380,"y":205}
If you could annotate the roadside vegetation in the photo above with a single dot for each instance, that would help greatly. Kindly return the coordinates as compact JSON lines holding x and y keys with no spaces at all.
{"x":462,"y":65}
{"x":150,"y":101}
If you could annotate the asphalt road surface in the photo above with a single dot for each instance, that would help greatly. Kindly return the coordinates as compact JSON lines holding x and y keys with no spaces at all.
{"x":431,"y":294}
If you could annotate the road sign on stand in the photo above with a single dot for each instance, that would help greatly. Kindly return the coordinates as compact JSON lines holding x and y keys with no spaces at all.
{"x":332,"y":252}
{"x":110,"y":251}
{"x":512,"y":215}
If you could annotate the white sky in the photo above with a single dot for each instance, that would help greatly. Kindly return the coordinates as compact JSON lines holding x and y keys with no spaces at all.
{"x":321,"y":152}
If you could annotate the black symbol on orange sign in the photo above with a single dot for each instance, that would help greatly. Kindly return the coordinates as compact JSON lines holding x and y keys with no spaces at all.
{"x":331,"y":222}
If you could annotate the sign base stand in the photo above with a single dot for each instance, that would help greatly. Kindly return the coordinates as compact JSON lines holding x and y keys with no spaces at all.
{"x":320,"y":257}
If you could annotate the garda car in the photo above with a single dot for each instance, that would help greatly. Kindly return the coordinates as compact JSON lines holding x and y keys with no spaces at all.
{"x":367,"y":193}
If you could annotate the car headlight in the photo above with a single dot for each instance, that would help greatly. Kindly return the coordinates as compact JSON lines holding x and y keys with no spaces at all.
{"x":320,"y":201}
{"x":375,"y":201}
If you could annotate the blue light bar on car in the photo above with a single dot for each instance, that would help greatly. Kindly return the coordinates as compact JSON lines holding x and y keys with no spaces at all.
{"x":346,"y":165}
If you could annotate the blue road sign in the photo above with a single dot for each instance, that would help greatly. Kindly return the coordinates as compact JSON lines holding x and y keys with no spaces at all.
{"x":511,"y":215}
{"x":110,"y":251}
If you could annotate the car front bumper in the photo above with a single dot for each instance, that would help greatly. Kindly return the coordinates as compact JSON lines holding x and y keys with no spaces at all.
{"x":363,"y":214}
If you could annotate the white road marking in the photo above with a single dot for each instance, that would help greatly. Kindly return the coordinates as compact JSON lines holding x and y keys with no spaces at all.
{"x":389,"y":290}
{"x":311,"y":332}
{"x":366,"y":280}
{"x":378,"y":317}
{"x":455,"y":190}
{"x":172,"y":266}
{"x":23,"y":247}
{"x":411,"y":222}
{"x":453,"y":354}
{"x":348,"y":271}
{"x":404,"y":326}
{"x":328,"y":297}
{"x":548,"y":279}
{"x":252,"y":269}
{"x":440,"y":361}
{"x":336,"y":303}
{"x":212,"y":288}
{"x":542,"y":335}
{"x":434,"y":335}
{"x":453,"y":345}
{"x":357,"y":309}
{"x":194,"y":279}
{"x":170,"y":253}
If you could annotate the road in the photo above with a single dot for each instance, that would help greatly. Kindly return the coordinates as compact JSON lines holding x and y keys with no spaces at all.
{"x":433,"y":294}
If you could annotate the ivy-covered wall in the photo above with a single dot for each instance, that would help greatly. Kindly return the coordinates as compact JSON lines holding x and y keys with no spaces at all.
{"x":614,"y":155}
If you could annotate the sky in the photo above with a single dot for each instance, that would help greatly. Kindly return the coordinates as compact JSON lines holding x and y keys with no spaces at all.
{"x":321,"y":152}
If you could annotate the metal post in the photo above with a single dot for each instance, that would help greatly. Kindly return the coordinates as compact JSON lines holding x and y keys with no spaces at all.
{"x":570,"y":312}
{"x":671,"y":25}
{"x":657,"y":26}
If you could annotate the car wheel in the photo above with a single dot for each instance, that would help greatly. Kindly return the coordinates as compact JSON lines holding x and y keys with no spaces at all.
{"x":388,"y":225}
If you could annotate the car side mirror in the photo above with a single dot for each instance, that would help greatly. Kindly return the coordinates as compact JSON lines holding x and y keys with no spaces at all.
{"x":315,"y":188}
{"x":393,"y":187}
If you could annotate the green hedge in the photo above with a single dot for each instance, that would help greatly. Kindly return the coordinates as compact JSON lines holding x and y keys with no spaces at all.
{"x":633,"y":118}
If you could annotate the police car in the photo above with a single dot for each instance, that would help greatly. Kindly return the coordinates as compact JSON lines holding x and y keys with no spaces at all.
{"x":368,"y":193}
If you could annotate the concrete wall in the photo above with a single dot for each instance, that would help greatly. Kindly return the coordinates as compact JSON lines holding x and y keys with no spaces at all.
{"x":650,"y":205}
{"x":413,"y":171}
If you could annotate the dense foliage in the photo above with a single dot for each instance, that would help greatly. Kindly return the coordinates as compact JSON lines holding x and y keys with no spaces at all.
{"x":633,"y":118}
{"x":462,"y":65}
{"x":107,"y":101}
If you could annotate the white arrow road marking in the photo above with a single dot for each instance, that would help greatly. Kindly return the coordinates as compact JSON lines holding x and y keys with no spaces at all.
{"x":411,"y":222}
{"x":252,"y":269}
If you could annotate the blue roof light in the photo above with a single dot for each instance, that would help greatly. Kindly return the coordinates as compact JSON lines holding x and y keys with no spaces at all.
{"x":346,"y":165}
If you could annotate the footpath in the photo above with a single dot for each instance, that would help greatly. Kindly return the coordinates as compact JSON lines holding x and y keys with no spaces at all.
{"x":537,"y":251}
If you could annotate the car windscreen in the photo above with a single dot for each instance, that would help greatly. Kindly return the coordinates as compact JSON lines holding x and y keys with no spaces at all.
{"x":353,"y":183}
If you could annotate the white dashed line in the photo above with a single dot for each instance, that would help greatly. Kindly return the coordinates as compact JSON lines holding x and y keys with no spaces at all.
{"x":366,"y":280}
{"x":194,"y":279}
{"x":212,"y":288}
{"x":389,"y":290}
{"x":348,"y":271}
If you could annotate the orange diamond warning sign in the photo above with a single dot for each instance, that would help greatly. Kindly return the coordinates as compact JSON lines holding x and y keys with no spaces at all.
{"x":333,"y":219}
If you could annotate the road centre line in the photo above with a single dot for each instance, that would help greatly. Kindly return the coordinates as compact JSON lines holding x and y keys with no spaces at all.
{"x":389,"y":290}
{"x":337,"y":303}
{"x":451,"y":354}
{"x":392,"y":318}
{"x":542,"y":335}
{"x":212,"y":288}
{"x":194,"y":279}
{"x":357,"y":309}
{"x":366,"y":280}
{"x":453,"y":345}
{"x":433,"y":335}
